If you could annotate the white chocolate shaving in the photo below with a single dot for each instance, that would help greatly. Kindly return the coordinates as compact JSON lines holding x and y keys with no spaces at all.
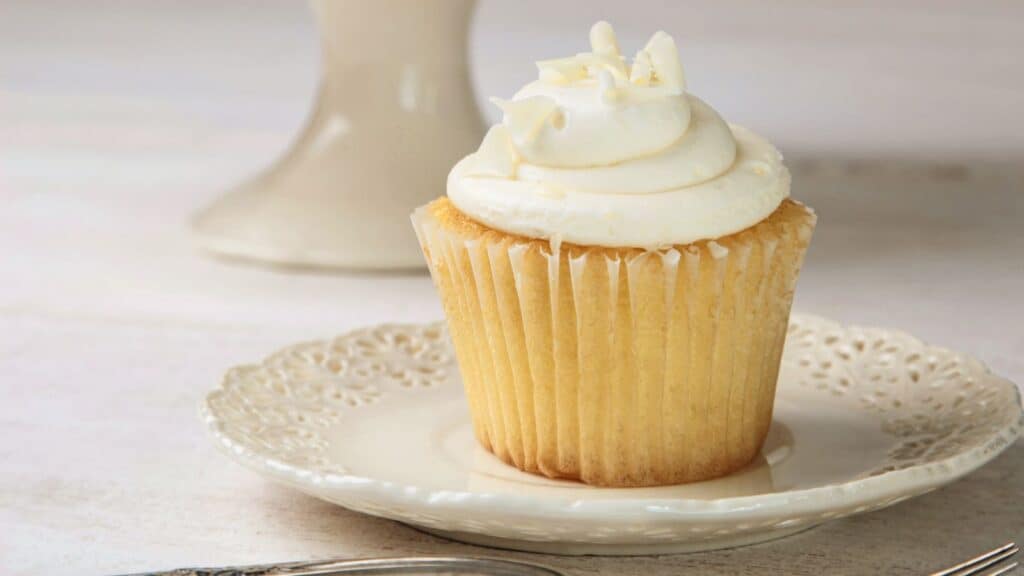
{"x":611,"y":63}
{"x":497,"y":156}
{"x":602,"y":39}
{"x":604,"y":45}
{"x":525,"y":117}
{"x":609,"y":93}
{"x":642,"y":70}
{"x":562,"y":70}
{"x":668,"y":70}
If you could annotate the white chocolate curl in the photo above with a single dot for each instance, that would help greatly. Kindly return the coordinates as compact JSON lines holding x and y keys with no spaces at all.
{"x":668,"y":70}
{"x":497,"y":155}
{"x":602,"y":39}
{"x":525,"y":117}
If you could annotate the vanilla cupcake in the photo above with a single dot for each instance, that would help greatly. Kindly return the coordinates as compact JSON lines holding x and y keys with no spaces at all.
{"x":617,"y":266}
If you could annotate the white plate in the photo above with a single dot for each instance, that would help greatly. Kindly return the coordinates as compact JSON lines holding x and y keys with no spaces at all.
{"x":375,"y":421}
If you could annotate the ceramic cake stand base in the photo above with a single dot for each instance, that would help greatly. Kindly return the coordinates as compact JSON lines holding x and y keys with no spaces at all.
{"x":395,"y":111}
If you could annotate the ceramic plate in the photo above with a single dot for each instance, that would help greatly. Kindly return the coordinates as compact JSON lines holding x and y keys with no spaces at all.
{"x":375,"y":421}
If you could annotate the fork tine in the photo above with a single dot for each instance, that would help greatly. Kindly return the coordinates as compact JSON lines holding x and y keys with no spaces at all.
{"x":1004,"y":569}
{"x":993,"y":561}
{"x":977,"y":564}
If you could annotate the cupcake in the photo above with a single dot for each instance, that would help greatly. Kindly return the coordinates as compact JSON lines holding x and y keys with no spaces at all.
{"x":617,"y":265}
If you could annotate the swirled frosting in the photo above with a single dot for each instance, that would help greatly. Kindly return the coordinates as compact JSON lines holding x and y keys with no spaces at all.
{"x":598,"y":152}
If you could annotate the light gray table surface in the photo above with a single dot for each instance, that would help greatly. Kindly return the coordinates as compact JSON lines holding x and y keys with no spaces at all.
{"x":113,"y":326}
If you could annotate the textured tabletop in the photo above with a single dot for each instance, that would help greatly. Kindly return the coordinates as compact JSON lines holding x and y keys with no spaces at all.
{"x":113,"y":326}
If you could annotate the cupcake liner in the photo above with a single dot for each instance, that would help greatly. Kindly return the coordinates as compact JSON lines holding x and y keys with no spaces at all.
{"x":618,"y":367}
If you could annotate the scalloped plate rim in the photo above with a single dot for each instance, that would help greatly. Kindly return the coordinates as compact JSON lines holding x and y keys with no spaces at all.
{"x":889,"y":487}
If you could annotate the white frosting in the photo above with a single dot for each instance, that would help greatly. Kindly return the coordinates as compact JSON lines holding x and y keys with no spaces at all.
{"x":596,"y":152}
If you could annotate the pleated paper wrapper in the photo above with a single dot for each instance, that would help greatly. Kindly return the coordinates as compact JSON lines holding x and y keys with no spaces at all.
{"x":618,"y":367}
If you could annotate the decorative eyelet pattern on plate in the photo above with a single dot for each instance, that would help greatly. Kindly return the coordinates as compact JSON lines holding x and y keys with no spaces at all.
{"x":943,"y":414}
{"x":281,"y":407}
{"x":929,"y":398}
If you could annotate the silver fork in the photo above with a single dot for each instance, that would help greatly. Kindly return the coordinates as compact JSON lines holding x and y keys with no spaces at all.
{"x":407,"y":565}
{"x":993,"y":560}
{"x":991,"y":563}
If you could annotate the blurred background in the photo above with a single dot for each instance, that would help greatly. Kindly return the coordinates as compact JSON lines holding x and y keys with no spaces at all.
{"x":901,"y":121}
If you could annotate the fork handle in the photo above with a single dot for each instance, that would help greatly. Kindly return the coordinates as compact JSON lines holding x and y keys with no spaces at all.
{"x":422,"y":565}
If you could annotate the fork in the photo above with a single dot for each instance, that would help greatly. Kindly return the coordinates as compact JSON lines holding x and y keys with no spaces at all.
{"x":991,"y":563}
{"x":408,"y":565}
{"x":977,"y":566}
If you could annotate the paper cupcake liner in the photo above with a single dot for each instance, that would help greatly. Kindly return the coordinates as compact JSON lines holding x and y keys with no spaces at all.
{"x":618,"y":367}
